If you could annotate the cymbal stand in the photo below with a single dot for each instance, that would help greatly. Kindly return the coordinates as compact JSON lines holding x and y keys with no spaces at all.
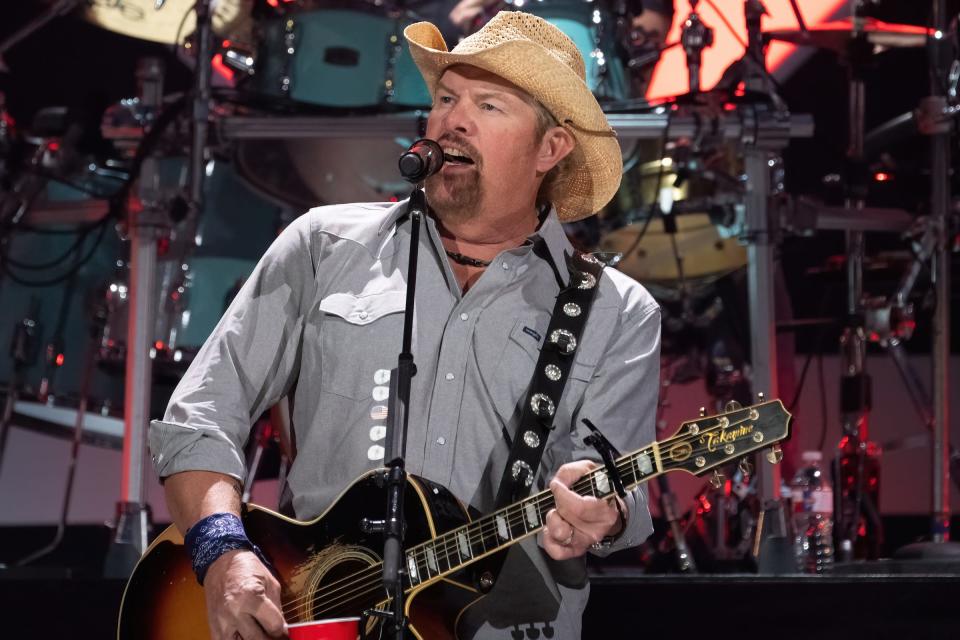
{"x":851,"y":498}
{"x":940,"y":546}
{"x":147,"y":223}
{"x":695,"y":37}
{"x":774,"y":546}
{"x":201,"y":103}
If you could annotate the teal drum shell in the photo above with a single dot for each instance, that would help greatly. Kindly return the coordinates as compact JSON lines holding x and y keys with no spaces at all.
{"x":55,"y":278}
{"x":593,"y":29}
{"x":348,"y":57}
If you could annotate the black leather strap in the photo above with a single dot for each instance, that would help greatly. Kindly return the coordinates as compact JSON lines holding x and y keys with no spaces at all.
{"x":550,"y":377}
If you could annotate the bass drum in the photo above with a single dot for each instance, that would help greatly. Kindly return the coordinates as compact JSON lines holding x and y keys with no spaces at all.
{"x":704,"y":200}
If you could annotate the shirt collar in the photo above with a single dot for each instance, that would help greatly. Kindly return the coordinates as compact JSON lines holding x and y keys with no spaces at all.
{"x":550,"y":232}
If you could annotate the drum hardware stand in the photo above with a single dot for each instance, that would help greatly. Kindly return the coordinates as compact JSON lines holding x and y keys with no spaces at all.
{"x":201,"y":104}
{"x":855,"y":388}
{"x":146,"y":225}
{"x":891,"y":322}
{"x":23,"y":351}
{"x":940,"y":546}
{"x":685,"y":562}
{"x":773,"y":547}
{"x":93,"y":348}
{"x":695,"y":37}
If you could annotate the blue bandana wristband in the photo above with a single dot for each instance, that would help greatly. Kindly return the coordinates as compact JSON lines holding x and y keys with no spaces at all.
{"x":214,"y":536}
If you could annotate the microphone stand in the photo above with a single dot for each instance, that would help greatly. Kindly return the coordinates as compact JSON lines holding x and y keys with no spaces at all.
{"x":394,"y":527}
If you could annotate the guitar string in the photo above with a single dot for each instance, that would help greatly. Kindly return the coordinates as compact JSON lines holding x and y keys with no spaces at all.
{"x":365,"y":586}
{"x":511,"y":521}
{"x":486,"y":522}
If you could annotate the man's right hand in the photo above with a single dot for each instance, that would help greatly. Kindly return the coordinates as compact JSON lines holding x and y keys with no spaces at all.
{"x":243,"y":599}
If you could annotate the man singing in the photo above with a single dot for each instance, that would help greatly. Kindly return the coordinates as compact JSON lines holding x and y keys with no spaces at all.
{"x":527,"y":147}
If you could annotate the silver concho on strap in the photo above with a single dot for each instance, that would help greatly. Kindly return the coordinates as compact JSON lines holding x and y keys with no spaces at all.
{"x":564,"y":339}
{"x":531,"y":439}
{"x":542,"y":405}
{"x":572,"y":309}
{"x":587,"y":281}
{"x":552,"y":372}
{"x":519,"y":466}
{"x":589,"y":257}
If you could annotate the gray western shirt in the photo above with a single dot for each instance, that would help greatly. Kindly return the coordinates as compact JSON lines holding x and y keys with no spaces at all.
{"x":321,"y":318}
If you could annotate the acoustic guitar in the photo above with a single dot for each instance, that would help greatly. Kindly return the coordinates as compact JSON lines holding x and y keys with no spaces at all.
{"x":330,"y":567}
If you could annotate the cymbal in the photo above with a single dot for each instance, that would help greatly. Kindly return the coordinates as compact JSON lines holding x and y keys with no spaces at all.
{"x":172,"y":23}
{"x":837,"y":35}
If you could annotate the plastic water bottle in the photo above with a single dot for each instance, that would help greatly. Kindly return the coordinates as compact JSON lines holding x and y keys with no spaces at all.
{"x":812,"y":515}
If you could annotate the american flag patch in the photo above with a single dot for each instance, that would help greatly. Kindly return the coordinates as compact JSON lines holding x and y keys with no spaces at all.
{"x":379,"y":412}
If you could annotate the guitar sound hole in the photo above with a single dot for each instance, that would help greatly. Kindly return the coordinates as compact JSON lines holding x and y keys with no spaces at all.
{"x":342,"y":584}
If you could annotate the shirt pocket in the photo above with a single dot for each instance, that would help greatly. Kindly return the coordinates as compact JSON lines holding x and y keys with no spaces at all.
{"x":360,"y":338}
{"x":506,"y":374}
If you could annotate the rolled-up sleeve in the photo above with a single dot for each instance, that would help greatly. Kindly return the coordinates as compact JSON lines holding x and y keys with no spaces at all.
{"x":621,"y":400}
{"x":248,"y":363}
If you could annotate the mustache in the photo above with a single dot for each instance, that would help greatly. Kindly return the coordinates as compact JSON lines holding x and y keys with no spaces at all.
{"x":458,"y":141}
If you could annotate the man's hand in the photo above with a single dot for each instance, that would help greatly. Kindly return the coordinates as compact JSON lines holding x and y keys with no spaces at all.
{"x":578,"y":521}
{"x":243,"y":599}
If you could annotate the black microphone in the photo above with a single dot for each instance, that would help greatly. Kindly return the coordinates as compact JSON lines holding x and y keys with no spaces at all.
{"x":423,"y":159}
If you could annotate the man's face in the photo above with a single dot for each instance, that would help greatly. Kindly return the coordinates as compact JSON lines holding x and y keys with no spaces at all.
{"x":487,"y":128}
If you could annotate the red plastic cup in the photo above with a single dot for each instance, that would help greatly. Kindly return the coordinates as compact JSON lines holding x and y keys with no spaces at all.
{"x":335,"y":629}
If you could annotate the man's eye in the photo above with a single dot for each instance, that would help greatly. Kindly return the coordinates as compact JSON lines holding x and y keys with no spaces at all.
{"x":486,"y":106}
{"x":445,"y":99}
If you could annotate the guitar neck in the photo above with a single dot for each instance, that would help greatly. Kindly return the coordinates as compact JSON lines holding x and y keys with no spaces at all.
{"x":453,"y":550}
{"x":697,"y":447}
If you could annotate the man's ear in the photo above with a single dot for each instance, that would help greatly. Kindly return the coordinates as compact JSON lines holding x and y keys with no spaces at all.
{"x":557,"y":143}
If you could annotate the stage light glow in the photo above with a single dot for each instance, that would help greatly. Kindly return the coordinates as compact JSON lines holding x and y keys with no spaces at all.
{"x":670,"y":76}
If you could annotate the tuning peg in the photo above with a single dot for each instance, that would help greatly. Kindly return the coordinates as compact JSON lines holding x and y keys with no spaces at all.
{"x":774,"y":454}
{"x":703,"y":412}
{"x":732,"y":405}
{"x":761,"y":397}
{"x":746,"y":467}
{"x":716,"y":480}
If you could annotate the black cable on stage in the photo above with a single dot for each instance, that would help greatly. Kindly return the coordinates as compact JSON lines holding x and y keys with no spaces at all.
{"x":4,"y":268}
{"x":656,"y":196}
{"x":46,"y":266}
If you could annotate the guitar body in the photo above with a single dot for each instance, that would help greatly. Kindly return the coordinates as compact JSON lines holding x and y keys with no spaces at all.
{"x":325,"y":567}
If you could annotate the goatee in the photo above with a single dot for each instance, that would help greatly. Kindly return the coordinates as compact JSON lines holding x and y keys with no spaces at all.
{"x":454,"y":197}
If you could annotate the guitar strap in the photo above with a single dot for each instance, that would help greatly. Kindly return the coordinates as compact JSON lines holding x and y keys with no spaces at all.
{"x":550,"y":377}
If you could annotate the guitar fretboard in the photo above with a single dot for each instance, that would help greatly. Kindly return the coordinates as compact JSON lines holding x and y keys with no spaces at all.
{"x":451,"y":551}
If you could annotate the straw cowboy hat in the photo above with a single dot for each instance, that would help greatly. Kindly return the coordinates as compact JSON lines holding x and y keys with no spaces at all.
{"x":540,"y":59}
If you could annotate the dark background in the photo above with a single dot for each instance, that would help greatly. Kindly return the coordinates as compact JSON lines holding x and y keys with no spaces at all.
{"x":75,"y":64}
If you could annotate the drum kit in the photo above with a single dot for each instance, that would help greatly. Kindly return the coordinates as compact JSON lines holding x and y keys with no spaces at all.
{"x":304,"y":102}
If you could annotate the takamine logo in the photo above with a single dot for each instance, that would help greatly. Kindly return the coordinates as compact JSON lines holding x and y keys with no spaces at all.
{"x":714,"y":439}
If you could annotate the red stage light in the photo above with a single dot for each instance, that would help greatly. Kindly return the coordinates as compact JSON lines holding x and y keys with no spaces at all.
{"x":221,"y":68}
{"x":59,"y":360}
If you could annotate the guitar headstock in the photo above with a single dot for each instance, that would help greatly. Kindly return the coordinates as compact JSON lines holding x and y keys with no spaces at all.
{"x":711,"y":441}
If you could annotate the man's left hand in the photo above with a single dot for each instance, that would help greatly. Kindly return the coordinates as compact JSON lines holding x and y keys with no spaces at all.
{"x":577,"y":522}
